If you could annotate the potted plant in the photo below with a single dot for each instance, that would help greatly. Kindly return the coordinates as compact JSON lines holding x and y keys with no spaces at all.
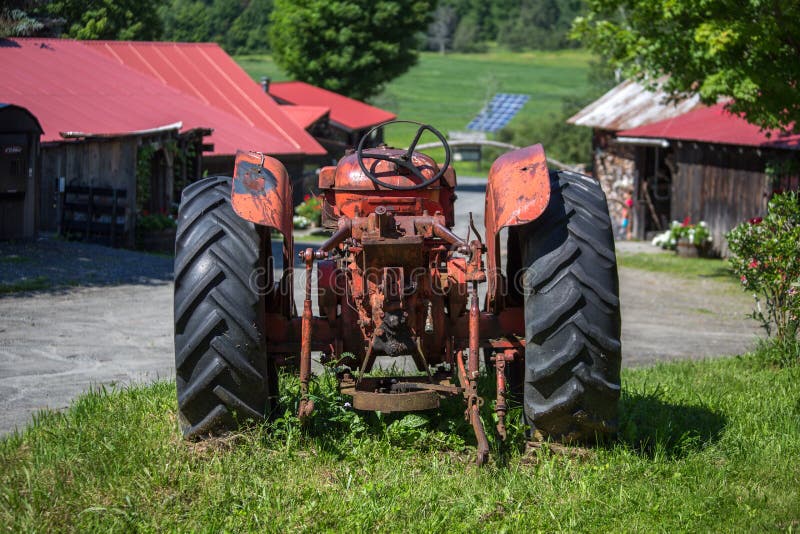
{"x":688,"y":240}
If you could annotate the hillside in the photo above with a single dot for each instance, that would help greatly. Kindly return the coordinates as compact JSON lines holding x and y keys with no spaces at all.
{"x":447,"y":91}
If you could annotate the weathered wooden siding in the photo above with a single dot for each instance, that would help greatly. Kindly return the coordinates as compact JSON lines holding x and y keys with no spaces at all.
{"x":720,"y":185}
{"x":96,"y":163}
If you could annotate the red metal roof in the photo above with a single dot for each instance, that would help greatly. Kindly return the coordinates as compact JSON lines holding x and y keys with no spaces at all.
{"x":71,"y":87}
{"x":352,"y":114}
{"x":305,"y":116}
{"x":205,"y":71}
{"x":714,"y":125}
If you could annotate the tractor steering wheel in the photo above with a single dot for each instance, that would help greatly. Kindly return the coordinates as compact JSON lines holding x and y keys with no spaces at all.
{"x":404,"y":160}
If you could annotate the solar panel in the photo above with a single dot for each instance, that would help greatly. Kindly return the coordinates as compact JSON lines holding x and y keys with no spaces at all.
{"x":498,"y":112}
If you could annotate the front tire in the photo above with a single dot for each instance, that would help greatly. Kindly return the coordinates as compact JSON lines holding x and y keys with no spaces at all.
{"x":572,"y":317}
{"x":223,"y":375}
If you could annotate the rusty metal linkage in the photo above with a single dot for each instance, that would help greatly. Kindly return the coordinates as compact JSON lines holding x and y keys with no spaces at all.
{"x":501,"y":408}
{"x":306,"y":405}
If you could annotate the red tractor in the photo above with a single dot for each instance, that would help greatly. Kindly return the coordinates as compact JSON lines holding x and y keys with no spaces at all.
{"x":393,"y":279}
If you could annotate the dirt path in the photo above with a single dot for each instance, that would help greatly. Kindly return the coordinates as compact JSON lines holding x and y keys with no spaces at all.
{"x":54,"y":347}
{"x":666,"y":318}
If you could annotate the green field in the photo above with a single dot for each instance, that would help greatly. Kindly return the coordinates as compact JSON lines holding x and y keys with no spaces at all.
{"x":707,"y":446}
{"x":447,"y":91}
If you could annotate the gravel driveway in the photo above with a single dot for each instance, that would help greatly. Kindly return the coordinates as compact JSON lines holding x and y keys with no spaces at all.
{"x":107,"y":319}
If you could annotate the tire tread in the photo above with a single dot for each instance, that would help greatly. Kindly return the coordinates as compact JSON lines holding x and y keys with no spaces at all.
{"x":223,"y":374}
{"x":572,"y":314}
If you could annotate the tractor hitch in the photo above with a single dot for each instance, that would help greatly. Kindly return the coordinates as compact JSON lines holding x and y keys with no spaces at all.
{"x":397,"y":393}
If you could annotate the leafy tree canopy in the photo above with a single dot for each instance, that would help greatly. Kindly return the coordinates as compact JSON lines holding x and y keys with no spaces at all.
{"x":746,"y":50}
{"x":108,"y":19}
{"x":349,"y":46}
{"x":26,"y":18}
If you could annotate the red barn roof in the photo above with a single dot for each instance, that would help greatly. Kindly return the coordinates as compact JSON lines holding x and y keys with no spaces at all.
{"x":350,"y":113}
{"x":305,"y":116}
{"x":72,"y":87}
{"x":206,"y":72}
{"x":714,"y":125}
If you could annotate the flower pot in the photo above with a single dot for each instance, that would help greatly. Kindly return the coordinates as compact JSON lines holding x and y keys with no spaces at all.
{"x":687,"y":249}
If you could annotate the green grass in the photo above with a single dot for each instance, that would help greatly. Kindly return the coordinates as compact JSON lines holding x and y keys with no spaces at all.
{"x":26,"y":284}
{"x":448,"y":91}
{"x":703,"y":446}
{"x":670,"y":263}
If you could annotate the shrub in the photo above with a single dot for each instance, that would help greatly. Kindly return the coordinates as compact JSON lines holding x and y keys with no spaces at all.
{"x":311,"y":209}
{"x":153,"y":222}
{"x":765,"y":254}
{"x":300,"y":223}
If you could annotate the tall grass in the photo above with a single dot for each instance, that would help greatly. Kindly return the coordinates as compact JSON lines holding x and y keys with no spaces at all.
{"x":709,"y":445}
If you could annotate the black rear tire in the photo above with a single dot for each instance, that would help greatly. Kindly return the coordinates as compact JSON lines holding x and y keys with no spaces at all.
{"x":223,"y":374}
{"x":572,"y":317}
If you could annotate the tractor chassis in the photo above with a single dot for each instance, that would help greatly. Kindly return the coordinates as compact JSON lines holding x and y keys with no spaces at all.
{"x":414,"y":393}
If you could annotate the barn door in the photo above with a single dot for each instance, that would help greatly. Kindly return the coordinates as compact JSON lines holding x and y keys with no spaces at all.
{"x":13,"y":184}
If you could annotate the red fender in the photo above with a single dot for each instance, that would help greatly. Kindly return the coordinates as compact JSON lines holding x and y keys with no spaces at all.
{"x":262,"y":191}
{"x":262,"y":194}
{"x":517,"y":193}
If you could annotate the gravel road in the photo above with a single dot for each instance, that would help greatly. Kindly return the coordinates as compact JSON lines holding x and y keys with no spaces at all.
{"x":108,"y":319}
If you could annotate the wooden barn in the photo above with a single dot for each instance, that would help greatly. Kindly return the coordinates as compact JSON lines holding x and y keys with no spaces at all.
{"x":109,"y":111}
{"x":95,"y":186}
{"x":708,"y":165}
{"x":205,"y":72}
{"x":614,"y":163}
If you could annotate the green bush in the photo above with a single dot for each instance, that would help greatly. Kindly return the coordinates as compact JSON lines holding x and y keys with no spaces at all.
{"x":154,"y":222}
{"x":765,"y":254}
{"x":311,"y":209}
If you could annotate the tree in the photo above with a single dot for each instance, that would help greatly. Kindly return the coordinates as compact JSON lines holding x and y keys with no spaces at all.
{"x":250,"y":31}
{"x":466,"y":37}
{"x":440,"y":31}
{"x":533,"y":26}
{"x":350,"y":46}
{"x":186,"y":21}
{"x":23,"y":18}
{"x":17,"y":23}
{"x":746,"y":51}
{"x":108,"y":19}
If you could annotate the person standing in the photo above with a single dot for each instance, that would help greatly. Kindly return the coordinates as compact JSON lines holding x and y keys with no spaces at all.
{"x":627,"y":214}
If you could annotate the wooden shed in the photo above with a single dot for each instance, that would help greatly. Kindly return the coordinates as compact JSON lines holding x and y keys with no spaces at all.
{"x":708,"y":165}
{"x":614,"y":164}
{"x":95,"y":185}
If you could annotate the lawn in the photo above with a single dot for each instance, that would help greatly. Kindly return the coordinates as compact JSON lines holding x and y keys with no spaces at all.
{"x":447,"y":91}
{"x":703,"y":446}
{"x":671,"y":263}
